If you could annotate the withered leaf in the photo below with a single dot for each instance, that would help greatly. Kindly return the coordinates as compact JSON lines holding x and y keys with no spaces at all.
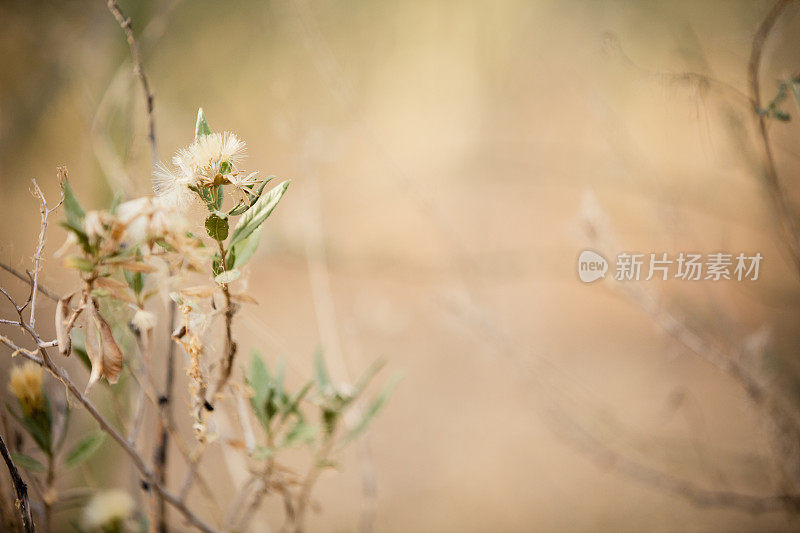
{"x":62,"y":335}
{"x":103,"y":350}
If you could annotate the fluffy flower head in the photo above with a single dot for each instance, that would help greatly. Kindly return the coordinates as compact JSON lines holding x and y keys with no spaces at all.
{"x":26,"y":386}
{"x":206,"y":162}
{"x":107,"y":510}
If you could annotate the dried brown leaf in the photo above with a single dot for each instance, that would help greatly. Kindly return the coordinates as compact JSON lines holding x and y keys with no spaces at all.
{"x":62,"y":335}
{"x":104,"y":352}
{"x":116,"y":289}
{"x":135,"y":266}
{"x":200,"y":291}
{"x":243,"y":298}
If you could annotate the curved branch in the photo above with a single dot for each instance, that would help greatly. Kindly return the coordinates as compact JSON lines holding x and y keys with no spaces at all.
{"x":20,"y":487}
{"x":776,"y":189}
{"x":138,"y":68}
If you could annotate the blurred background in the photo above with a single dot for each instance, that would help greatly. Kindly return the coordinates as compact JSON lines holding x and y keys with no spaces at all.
{"x":443,"y":157}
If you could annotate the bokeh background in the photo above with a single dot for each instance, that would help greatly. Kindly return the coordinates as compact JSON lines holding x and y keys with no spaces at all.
{"x":443,"y":155}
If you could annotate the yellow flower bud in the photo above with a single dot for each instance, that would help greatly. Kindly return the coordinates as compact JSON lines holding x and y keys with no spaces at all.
{"x":26,"y":385}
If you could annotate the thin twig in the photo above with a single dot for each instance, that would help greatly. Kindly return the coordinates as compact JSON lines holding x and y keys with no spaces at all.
{"x":229,"y":353}
{"x":304,"y":497}
{"x":143,"y":341}
{"x":20,"y":488}
{"x":37,"y":258}
{"x":138,"y":69}
{"x":61,"y":375}
{"x":160,"y":453}
{"x":604,"y":454}
{"x":44,"y":290}
{"x":776,"y":189}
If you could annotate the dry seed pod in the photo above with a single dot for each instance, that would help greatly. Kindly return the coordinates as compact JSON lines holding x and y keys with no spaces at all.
{"x":62,"y":335}
{"x":104,"y":352}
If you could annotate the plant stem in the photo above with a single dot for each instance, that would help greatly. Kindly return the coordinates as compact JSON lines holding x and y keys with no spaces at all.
{"x":20,"y":487}
{"x":230,"y":345}
{"x":304,"y":498}
{"x":776,"y":189}
{"x":48,"y":492}
{"x":158,"y":521}
{"x":138,"y":69}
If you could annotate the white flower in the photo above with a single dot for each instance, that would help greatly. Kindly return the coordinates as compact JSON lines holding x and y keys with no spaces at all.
{"x":209,"y":161}
{"x":133,"y":217}
{"x":210,"y":157}
{"x":242,"y":183}
{"x":217,"y":148}
{"x":172,"y":188}
{"x":143,"y":320}
{"x":93,"y":225}
{"x":107,"y":509}
{"x":166,"y":221}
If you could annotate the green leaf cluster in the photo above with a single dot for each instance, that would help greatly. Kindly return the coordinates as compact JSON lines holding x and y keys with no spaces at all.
{"x":284,"y":413}
{"x":253,"y":212}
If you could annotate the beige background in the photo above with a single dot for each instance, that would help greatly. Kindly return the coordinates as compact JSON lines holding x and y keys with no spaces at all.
{"x":439,"y":152}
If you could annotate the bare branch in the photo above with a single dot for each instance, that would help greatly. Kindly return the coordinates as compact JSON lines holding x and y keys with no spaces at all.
{"x":138,"y":69}
{"x":776,"y":189}
{"x":604,"y":454}
{"x":106,"y":426}
{"x":44,"y":290}
{"x":164,"y":421}
{"x":21,"y":489}
{"x":37,"y":258}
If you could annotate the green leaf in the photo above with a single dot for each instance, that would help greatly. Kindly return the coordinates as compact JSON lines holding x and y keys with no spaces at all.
{"x":77,"y":229}
{"x":241,"y":252}
{"x":262,"y":452}
{"x":256,"y":194}
{"x":280,"y":374}
{"x":327,"y":463}
{"x":201,"y":126}
{"x":301,"y":433}
{"x":84,"y":357}
{"x":367,"y":376}
{"x":204,"y":195}
{"x":135,"y":281}
{"x":240,"y":208}
{"x":217,"y":227}
{"x":219,"y":196}
{"x":260,"y":382}
{"x":294,"y":404}
{"x":227,"y":276}
{"x":37,"y":428}
{"x":75,"y":212}
{"x":27,"y":462}
{"x":216,"y":264}
{"x":78,"y":263}
{"x":258,"y":213}
{"x":320,"y":372}
{"x":79,"y":347}
{"x":375,"y":407}
{"x":85,"y":449}
{"x":168,"y":247}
